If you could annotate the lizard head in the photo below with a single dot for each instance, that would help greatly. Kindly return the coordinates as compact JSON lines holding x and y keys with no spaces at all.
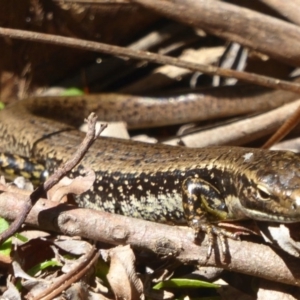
{"x":269,"y":187}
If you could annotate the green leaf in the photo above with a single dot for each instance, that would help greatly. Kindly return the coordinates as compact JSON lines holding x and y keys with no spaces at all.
{"x":72,"y":92}
{"x":2,"y":105}
{"x":44,"y":265}
{"x":21,"y":237}
{"x":184,"y":283}
{"x":3,"y":225}
{"x":5,"y":248}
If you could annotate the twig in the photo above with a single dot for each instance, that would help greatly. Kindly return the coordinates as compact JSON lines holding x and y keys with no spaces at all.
{"x":149,"y":56}
{"x":290,"y":144}
{"x":288,"y":9}
{"x":240,"y":132}
{"x":53,"y":179}
{"x":286,"y":128}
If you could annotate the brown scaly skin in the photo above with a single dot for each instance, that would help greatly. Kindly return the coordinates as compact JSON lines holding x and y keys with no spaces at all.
{"x":152,"y":181}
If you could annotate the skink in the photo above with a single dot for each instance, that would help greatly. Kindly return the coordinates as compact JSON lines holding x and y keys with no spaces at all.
{"x":157,"y":182}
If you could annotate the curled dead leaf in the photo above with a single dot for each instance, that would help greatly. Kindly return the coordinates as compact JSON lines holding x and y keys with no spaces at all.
{"x":77,"y":186}
{"x":122,"y":276}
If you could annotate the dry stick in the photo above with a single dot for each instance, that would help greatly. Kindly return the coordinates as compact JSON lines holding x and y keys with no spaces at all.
{"x":240,"y":132}
{"x":290,"y":144}
{"x":149,"y":56}
{"x":288,"y":9}
{"x":150,"y":82}
{"x":53,"y":179}
{"x":286,"y":128}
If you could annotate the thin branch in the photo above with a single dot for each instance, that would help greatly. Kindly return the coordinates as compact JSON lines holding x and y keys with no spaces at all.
{"x":239,"y":132}
{"x":290,"y":144}
{"x":288,"y":9}
{"x":150,"y":57}
{"x":286,"y":128}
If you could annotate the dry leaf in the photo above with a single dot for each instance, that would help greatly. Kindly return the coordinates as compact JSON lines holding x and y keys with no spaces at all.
{"x":11,"y":293}
{"x":281,"y":236}
{"x":78,"y":185}
{"x":122,"y":276}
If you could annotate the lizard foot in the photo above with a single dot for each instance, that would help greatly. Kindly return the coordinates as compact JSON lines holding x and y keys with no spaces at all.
{"x":213,"y":231}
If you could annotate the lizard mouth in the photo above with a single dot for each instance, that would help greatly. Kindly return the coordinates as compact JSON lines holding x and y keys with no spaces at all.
{"x":260,"y":216}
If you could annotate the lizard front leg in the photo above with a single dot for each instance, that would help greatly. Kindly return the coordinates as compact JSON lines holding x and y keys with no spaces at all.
{"x":203,"y":204}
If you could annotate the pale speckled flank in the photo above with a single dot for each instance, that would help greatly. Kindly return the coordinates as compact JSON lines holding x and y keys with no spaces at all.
{"x":150,"y":201}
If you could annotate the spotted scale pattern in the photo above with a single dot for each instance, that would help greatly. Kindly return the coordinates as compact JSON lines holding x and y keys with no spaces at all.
{"x":151,"y":198}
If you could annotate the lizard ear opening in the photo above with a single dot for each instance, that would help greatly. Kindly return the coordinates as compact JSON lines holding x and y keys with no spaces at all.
{"x":263,"y":193}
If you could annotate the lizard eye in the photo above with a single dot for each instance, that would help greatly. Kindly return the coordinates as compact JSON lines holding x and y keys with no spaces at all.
{"x":263,"y":193}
